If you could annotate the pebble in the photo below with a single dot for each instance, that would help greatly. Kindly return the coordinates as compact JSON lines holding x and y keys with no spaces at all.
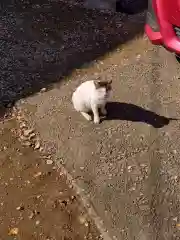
{"x":43,"y":90}
{"x":41,"y":149}
{"x":49,"y":162}
{"x":82,"y":219}
{"x":86,"y":224}
{"x":37,"y":222}
{"x":73,"y":197}
{"x":31,"y":216}
{"x":28,"y":132}
{"x":129,"y":168}
{"x":32,"y":135}
{"x":175,"y":219}
{"x":27,"y":144}
{"x":9,"y":105}
{"x":37,"y":145}
{"x":138,"y":56}
{"x":174,"y":151}
{"x":23,"y":138}
{"x":20,"y":208}
{"x":37,"y":174}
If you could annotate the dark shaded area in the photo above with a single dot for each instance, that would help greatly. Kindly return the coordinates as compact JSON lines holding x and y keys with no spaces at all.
{"x":41,"y":42}
{"x":131,"y":6}
{"x":131,"y":112}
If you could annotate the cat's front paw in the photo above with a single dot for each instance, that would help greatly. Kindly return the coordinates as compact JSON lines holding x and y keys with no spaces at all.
{"x":96,"y":120}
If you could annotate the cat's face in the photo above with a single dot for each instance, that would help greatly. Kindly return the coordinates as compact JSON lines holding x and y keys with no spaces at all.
{"x":106,"y":85}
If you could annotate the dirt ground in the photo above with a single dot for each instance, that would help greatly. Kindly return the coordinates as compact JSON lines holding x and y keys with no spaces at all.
{"x":36,"y":201}
{"x":126,"y":168}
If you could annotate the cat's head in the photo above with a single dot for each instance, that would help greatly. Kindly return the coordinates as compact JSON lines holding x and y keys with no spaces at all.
{"x":106,"y":85}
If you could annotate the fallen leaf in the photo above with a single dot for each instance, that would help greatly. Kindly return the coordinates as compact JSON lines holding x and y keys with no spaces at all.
{"x":13,"y":231}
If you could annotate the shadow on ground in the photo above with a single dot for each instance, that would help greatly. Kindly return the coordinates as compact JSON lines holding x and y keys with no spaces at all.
{"x":41,"y":43}
{"x":131,"y":112}
{"x":132,"y":7}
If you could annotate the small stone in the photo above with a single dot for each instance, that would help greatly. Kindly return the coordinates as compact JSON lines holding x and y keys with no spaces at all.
{"x":82,"y":219}
{"x":37,"y":145}
{"x":174,"y":151}
{"x":13,"y":231}
{"x":161,"y":151}
{"x":22,"y":125}
{"x":86,"y":224}
{"x":175,"y":219}
{"x":144,"y":207}
{"x":37,"y":222}
{"x":73,"y":198}
{"x":32,"y":215}
{"x":43,"y":90}
{"x":175,"y":178}
{"x":32,"y":135}
{"x":114,"y":237}
{"x":49,"y":162}
{"x":28,"y":132}
{"x":23,"y":138}
{"x":37,"y":174}
{"x":20,"y":208}
{"x":41,"y":149}
{"x":9,"y":105}
{"x":138,"y":56}
{"x":129,"y":168}
{"x":27,"y":144}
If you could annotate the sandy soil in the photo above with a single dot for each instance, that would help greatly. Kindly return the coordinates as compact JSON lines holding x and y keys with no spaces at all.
{"x":36,"y":202}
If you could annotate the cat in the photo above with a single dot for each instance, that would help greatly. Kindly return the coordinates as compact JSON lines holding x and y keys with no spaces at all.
{"x":91,"y":96}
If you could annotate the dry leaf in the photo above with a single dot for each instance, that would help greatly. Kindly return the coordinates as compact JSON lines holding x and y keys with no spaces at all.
{"x":13,"y":231}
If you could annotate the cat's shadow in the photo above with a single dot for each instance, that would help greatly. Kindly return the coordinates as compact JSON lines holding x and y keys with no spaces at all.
{"x":134,"y":113}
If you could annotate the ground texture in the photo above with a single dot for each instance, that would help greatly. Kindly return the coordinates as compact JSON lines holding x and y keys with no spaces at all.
{"x":126,"y":168}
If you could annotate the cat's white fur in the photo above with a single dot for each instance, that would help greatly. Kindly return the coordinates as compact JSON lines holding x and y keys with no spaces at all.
{"x":88,"y":98}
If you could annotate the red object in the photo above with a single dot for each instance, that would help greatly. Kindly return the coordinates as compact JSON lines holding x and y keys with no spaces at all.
{"x":163,"y":23}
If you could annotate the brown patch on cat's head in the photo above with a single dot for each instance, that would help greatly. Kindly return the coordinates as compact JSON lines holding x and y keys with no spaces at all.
{"x":103,"y":84}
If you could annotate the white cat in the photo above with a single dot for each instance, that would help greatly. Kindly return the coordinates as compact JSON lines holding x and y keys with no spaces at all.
{"x":91,"y":96}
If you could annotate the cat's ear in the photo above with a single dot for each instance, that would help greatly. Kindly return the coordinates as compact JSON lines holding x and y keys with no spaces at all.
{"x":97,"y":84}
{"x":109,"y":82}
